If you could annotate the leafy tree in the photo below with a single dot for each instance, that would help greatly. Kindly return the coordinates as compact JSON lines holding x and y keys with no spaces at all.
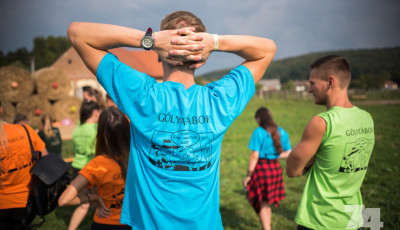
{"x":47,"y":50}
{"x":288,"y":85}
{"x":395,"y":76}
{"x":21,"y":58}
{"x":373,"y":81}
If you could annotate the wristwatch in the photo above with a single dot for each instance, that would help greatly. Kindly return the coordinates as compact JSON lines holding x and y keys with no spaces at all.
{"x":148,"y":41}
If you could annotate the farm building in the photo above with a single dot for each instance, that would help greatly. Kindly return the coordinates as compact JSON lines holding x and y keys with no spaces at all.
{"x":57,"y":90}
{"x":390,"y":85}
{"x":72,"y":65}
{"x":301,"y":86}
{"x":270,"y":84}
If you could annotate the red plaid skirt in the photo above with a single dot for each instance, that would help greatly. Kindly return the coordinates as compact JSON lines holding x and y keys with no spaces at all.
{"x":266,"y":184}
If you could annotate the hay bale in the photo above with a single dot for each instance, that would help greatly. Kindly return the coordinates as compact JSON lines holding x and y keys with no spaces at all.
{"x":8,"y":111}
{"x":67,"y":108}
{"x":34,"y":107}
{"x":15,"y":84}
{"x":52,"y":83}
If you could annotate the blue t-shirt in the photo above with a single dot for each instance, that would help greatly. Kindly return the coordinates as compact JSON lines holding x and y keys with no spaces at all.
{"x":173,"y":173}
{"x":261,"y":141}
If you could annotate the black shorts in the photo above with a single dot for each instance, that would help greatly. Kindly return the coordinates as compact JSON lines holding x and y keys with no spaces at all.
{"x":75,"y":172}
{"x":11,"y":219}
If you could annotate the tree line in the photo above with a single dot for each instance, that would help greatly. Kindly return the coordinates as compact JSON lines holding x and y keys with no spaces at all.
{"x":370,"y":68}
{"x":45,"y":51}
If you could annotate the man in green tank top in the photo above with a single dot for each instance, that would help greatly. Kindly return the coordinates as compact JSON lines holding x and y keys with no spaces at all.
{"x":335,"y":147}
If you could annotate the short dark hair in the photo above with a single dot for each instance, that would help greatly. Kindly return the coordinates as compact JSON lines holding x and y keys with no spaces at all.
{"x":333,"y":65}
{"x":20,"y":117}
{"x":87,"y":109}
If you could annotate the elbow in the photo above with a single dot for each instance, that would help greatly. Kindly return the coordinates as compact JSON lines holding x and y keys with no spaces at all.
{"x":73,"y":30}
{"x":61,"y":202}
{"x":271,"y":48}
{"x":290,"y":170}
{"x":290,"y":174}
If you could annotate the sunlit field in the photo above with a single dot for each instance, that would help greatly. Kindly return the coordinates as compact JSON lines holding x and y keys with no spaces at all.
{"x":381,"y":188}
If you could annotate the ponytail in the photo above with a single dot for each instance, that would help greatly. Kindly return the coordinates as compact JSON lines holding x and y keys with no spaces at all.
{"x":268,"y":123}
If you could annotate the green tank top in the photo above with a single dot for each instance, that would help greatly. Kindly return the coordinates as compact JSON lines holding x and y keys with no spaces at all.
{"x":339,"y":169}
{"x":84,"y":139}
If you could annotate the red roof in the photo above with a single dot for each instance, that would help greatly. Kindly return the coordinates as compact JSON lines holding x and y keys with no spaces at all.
{"x":140,"y":60}
{"x":143,"y":61}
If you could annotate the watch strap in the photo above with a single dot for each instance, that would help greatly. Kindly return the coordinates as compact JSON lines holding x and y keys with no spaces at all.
{"x":149,"y":32}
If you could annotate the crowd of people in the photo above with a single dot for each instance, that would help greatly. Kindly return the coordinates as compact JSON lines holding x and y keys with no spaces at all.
{"x":148,"y":157}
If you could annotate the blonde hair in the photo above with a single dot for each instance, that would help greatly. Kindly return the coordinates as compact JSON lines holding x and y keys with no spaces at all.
{"x":47,"y":127}
{"x":181,"y":19}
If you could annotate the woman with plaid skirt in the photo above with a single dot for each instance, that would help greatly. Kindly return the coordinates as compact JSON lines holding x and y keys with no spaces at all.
{"x":264,"y":180}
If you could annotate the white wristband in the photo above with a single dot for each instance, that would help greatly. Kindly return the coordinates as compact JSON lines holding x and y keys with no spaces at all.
{"x":216,"y":42}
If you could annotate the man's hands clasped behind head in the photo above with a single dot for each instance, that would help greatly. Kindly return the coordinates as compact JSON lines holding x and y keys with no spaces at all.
{"x":183,"y":45}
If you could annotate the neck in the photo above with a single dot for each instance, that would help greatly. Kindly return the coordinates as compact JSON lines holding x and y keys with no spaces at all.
{"x":180,"y":74}
{"x":91,"y":120}
{"x":340,"y":99}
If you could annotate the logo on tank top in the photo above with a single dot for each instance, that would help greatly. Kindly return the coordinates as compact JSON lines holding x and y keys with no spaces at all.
{"x":183,"y":150}
{"x":356,"y":155}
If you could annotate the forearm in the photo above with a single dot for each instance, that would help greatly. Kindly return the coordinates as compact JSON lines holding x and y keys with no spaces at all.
{"x":252,"y":163}
{"x":92,"y":40}
{"x":77,"y":200}
{"x":295,"y":164}
{"x":305,"y":150}
{"x":248,"y":47}
{"x":103,"y":36}
{"x":284,"y":155}
{"x":258,"y":52}
{"x":71,"y":195}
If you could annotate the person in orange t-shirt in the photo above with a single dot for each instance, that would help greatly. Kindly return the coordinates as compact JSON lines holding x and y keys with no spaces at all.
{"x":16,"y":162}
{"x":107,"y":172}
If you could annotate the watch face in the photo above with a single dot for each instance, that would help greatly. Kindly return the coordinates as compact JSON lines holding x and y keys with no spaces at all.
{"x":147,"y":42}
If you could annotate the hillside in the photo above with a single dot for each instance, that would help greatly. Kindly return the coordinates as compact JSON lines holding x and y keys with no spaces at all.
{"x":369,"y":62}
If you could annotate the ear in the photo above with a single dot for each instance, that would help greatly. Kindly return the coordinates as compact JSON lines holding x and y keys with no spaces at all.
{"x":331,"y":81}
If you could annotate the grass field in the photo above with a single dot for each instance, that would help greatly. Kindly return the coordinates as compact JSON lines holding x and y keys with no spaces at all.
{"x":381,"y":188}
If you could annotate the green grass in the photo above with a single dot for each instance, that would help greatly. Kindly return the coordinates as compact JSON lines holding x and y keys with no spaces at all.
{"x":381,"y":188}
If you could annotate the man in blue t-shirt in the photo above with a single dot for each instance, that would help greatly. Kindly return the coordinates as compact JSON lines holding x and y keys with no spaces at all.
{"x":177,"y":126}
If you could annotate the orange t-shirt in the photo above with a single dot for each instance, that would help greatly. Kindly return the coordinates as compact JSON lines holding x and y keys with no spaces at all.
{"x":105,"y":174}
{"x":16,"y":162}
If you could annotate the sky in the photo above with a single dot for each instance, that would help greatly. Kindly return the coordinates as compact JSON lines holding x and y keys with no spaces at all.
{"x":297,"y":26}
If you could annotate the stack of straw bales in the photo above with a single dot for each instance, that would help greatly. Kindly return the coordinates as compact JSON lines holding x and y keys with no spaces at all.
{"x":16,"y":84}
{"x":46,"y":91}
